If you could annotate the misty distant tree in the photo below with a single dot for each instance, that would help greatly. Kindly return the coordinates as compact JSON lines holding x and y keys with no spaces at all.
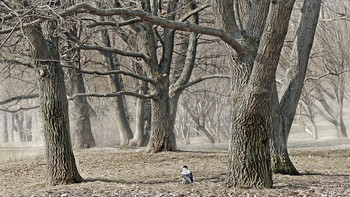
{"x":80,"y":106}
{"x":331,"y":63}
{"x":18,"y":125}
{"x":306,"y":114}
{"x":5,"y":132}
{"x":116,"y":85}
{"x":157,"y":67}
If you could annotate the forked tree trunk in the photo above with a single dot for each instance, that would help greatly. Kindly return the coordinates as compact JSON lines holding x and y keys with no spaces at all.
{"x":53,"y":104}
{"x":293,"y":84}
{"x":159,"y":71}
{"x":249,"y":150}
{"x":186,"y":63}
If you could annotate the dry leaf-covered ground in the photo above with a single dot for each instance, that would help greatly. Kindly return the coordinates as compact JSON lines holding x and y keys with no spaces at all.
{"x":130,"y":172}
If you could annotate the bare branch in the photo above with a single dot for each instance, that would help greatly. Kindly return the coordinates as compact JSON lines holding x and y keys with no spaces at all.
{"x":110,"y":72}
{"x":17,"y":98}
{"x":20,"y":109}
{"x":114,"y":24}
{"x":9,"y":35}
{"x":195,"y":11}
{"x":326,"y":74}
{"x":20,"y":59}
{"x":112,"y":95}
{"x":106,"y":49}
{"x":202,"y":79}
{"x":148,"y":18}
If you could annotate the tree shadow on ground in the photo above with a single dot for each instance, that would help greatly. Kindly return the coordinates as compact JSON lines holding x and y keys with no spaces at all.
{"x":310,"y":184}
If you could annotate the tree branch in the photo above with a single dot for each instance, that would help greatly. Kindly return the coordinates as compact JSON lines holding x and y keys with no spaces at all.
{"x":148,"y":18}
{"x":111,"y":95}
{"x":106,"y":49}
{"x":195,"y":11}
{"x":19,"y":109}
{"x":17,"y":98}
{"x":110,"y":72}
{"x":20,"y":59}
{"x":201,"y":79}
{"x":325,"y":75}
{"x":114,"y":24}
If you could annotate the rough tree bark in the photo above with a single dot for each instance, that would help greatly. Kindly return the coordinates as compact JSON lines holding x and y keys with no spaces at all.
{"x":160,"y":107}
{"x":292,"y":86}
{"x":253,"y":75}
{"x":53,"y":104}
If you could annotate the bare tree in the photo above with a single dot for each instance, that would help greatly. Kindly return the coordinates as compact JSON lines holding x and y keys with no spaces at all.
{"x":5,"y":132}
{"x":53,"y":99}
{"x":292,"y":87}
{"x":82,"y":130}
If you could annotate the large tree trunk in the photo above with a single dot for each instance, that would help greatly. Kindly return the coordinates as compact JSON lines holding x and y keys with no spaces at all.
{"x":159,"y":71}
{"x":159,"y":139}
{"x":53,"y":104}
{"x":249,"y":150}
{"x":5,"y":132}
{"x":293,"y":83}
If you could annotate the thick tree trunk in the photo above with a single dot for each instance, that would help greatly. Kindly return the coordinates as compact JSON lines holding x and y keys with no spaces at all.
{"x":174,"y":101}
{"x":249,"y":150}
{"x":159,"y":139}
{"x":53,"y":104}
{"x":5,"y":132}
